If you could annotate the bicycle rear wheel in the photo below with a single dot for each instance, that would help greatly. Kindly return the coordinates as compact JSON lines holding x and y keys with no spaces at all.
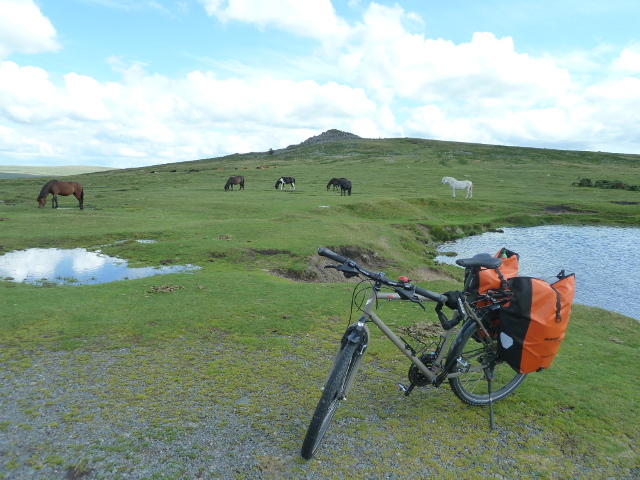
{"x":472,"y":387}
{"x":332,"y":394}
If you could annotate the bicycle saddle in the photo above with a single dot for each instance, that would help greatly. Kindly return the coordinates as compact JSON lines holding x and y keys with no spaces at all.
{"x":480,"y":260}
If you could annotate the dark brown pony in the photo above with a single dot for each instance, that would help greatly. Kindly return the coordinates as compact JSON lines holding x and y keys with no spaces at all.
{"x":238,"y":180}
{"x":345,"y":186}
{"x":335,"y":182}
{"x":55,"y":188}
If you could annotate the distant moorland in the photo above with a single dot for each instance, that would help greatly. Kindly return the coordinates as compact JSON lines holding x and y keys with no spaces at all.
{"x":15,"y":171}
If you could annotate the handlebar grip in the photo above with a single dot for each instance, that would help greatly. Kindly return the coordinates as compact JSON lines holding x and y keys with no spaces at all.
{"x":437,"y":297}
{"x":325,"y":252}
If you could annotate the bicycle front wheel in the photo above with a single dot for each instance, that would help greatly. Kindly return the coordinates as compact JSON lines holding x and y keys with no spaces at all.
{"x":471,"y":352}
{"x":332,"y":394}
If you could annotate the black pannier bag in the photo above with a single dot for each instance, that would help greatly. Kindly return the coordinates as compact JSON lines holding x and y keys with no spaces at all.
{"x":533,"y":323}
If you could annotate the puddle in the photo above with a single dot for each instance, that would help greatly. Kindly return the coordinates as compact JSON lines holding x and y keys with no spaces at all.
{"x":74,"y":267}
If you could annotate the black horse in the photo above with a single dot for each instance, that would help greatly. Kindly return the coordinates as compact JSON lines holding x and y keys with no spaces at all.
{"x":288,"y":181}
{"x":237,"y":180}
{"x":345,"y":186}
{"x":335,"y":182}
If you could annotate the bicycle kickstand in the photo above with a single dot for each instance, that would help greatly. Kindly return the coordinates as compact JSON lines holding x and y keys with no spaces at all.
{"x":489,"y":374}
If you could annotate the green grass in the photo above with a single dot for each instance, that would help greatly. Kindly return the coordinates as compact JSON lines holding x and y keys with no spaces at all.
{"x":584,"y":407}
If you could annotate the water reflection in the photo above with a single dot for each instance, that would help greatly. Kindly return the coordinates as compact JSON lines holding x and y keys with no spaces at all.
{"x":74,"y":266}
{"x":604,"y":259}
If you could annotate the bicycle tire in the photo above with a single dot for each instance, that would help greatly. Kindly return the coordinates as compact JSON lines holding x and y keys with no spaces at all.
{"x":332,"y":394}
{"x":472,"y":388}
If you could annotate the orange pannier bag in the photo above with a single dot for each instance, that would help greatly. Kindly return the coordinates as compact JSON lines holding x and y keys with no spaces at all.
{"x":493,"y":278}
{"x":533,"y":323}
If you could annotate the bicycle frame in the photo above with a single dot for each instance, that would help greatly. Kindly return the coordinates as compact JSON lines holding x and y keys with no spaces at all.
{"x":438,"y":371}
{"x":463,"y":355}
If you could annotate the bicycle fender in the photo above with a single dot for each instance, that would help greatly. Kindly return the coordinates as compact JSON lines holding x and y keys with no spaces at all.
{"x":457,"y":340}
{"x":354,"y":337}
{"x":359,"y":335}
{"x":356,"y":334}
{"x":452,"y":355}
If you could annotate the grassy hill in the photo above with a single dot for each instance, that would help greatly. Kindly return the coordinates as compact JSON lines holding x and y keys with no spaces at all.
{"x":398,"y":207}
{"x":263,"y":293}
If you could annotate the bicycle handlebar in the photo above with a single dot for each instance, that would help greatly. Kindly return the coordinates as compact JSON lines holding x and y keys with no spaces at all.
{"x":379,"y":277}
{"x":325,"y":252}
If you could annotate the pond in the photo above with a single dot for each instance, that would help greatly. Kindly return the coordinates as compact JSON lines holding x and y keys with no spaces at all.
{"x":74,"y":267}
{"x":606,"y":260}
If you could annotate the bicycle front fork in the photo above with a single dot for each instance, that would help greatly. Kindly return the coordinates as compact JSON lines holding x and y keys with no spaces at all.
{"x":357,"y":333}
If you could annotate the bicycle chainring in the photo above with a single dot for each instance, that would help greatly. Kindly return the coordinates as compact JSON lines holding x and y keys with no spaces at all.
{"x":416,"y":377}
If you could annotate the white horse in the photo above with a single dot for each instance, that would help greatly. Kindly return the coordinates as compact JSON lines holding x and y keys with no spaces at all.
{"x":458,"y":185}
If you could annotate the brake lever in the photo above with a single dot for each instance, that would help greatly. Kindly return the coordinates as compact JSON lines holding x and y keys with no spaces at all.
{"x":346,"y":270}
{"x":405,"y":295}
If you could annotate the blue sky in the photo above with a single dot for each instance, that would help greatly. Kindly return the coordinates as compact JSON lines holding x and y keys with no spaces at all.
{"x":128,"y":83}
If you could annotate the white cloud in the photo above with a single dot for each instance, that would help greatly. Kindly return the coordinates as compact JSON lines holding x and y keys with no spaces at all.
{"x":587,"y":118}
{"x":21,"y":146}
{"x":629,"y":60}
{"x":313,"y":19}
{"x":486,"y":91}
{"x":386,"y":57}
{"x":26,"y":93}
{"x":163,"y":119}
{"x":84,"y":98}
{"x":24,"y":29}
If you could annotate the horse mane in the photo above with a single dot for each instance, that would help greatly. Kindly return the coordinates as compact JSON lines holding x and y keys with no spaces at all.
{"x":45,"y":190}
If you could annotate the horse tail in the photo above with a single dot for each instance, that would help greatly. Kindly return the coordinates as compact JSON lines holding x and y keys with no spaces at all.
{"x":81,"y":198}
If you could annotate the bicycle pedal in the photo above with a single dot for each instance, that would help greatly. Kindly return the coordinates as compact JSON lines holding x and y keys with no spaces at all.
{"x":405,"y":390}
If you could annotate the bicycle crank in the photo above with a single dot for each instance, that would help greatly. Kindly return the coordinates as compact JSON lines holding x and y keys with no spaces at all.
{"x":416,"y":377}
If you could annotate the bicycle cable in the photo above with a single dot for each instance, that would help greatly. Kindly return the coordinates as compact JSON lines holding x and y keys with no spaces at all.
{"x":358,"y":290}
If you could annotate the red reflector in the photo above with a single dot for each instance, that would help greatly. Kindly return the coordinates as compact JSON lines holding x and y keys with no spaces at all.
{"x":403,"y":279}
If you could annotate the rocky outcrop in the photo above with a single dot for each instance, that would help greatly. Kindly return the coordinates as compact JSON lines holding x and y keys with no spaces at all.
{"x":332,"y":135}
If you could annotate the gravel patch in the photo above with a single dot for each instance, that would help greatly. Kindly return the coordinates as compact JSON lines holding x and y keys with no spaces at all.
{"x":211,"y":410}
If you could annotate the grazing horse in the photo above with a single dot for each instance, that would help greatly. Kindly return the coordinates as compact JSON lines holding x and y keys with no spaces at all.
{"x":55,"y":188}
{"x":335,"y":182}
{"x":345,"y":186}
{"x":458,"y":185}
{"x":237,"y":180}
{"x":286,"y":180}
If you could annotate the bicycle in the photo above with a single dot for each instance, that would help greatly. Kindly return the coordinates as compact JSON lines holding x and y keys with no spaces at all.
{"x":469,"y":359}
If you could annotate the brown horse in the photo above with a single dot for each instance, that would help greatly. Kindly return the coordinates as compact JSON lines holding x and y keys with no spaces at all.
{"x":55,"y":188}
{"x":238,"y":180}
